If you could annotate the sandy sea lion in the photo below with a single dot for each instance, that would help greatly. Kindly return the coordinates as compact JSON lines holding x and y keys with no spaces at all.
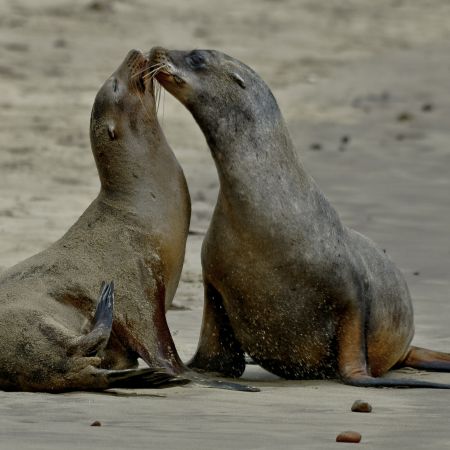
{"x":53,"y":336}
{"x":285,"y":280}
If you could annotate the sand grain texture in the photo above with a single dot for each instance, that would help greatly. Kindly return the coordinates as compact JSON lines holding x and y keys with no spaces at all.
{"x":344,"y":73}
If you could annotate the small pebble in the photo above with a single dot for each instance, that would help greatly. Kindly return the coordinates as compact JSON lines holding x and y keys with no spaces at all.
{"x":405,"y":117}
{"x":345,"y":139}
{"x":96,"y":423}
{"x":349,"y":436}
{"x":60,"y":43}
{"x":427,"y":107}
{"x":100,"y":6}
{"x":361,"y":406}
{"x":316,"y":146}
{"x":416,"y":273}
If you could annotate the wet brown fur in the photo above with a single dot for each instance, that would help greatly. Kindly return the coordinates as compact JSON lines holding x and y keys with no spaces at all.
{"x":285,"y":280}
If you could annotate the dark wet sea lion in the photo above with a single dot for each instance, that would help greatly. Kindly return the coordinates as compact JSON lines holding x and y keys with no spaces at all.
{"x":134,"y":233}
{"x":285,"y":280}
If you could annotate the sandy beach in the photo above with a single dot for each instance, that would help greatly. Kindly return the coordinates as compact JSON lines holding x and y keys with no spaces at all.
{"x":364,"y":88}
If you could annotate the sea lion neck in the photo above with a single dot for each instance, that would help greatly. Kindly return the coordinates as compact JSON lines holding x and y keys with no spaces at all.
{"x":127,"y":142}
{"x":133,"y":170}
{"x":138,"y":176}
{"x":245,"y":131}
{"x":249,"y":157}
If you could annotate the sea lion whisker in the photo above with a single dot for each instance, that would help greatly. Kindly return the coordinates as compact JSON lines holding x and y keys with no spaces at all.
{"x":159,"y":98}
{"x":144,"y":107}
{"x":140,"y":96}
{"x":156,"y":66}
{"x":145,"y":70}
{"x":151,"y":71}
{"x":164,"y":102}
{"x":155,"y":70}
{"x":160,"y":92}
{"x":139,"y":72}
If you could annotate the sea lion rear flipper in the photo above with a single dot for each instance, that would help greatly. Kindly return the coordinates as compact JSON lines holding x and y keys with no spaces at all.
{"x":148,"y":378}
{"x":424,"y":359}
{"x":93,"y":378}
{"x":352,"y":364}
{"x":223,"y":384}
{"x":96,"y":340}
{"x":368,"y":381}
{"x":103,"y":317}
{"x":218,"y":349}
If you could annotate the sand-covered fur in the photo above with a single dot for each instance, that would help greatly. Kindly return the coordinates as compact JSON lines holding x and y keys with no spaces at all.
{"x":133,"y":233}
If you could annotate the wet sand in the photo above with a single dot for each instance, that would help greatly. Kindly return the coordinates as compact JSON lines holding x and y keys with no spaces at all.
{"x":364,"y":89}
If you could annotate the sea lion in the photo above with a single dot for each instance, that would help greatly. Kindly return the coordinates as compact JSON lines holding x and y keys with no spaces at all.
{"x":285,"y":281}
{"x":53,"y":336}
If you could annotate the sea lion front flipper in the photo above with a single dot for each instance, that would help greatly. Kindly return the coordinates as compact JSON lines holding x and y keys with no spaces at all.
{"x":218,"y":350}
{"x":97,"y":339}
{"x":352,"y":364}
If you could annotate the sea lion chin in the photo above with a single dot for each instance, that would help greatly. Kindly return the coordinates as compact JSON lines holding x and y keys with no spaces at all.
{"x":56,"y":336}
{"x":285,"y":280}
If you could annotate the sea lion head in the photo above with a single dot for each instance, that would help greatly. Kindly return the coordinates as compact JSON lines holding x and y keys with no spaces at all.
{"x":123,"y":119}
{"x":227,"y":98}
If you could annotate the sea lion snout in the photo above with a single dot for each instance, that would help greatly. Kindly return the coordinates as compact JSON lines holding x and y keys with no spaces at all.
{"x":168,"y":68}
{"x":133,"y":72}
{"x":133,"y":57}
{"x":162,"y":64}
{"x":157,"y":54}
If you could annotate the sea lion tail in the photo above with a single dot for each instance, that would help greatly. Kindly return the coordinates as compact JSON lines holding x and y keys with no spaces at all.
{"x":96,"y":340}
{"x":146,"y":378}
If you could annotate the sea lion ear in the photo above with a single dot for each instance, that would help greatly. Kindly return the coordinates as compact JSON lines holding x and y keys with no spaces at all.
{"x":239,"y":80}
{"x":112,"y":132}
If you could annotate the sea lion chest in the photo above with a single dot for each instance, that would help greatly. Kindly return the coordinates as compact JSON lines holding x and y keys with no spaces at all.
{"x":279,"y":303}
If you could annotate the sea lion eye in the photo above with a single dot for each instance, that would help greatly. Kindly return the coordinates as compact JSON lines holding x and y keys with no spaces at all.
{"x":196,"y":59}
